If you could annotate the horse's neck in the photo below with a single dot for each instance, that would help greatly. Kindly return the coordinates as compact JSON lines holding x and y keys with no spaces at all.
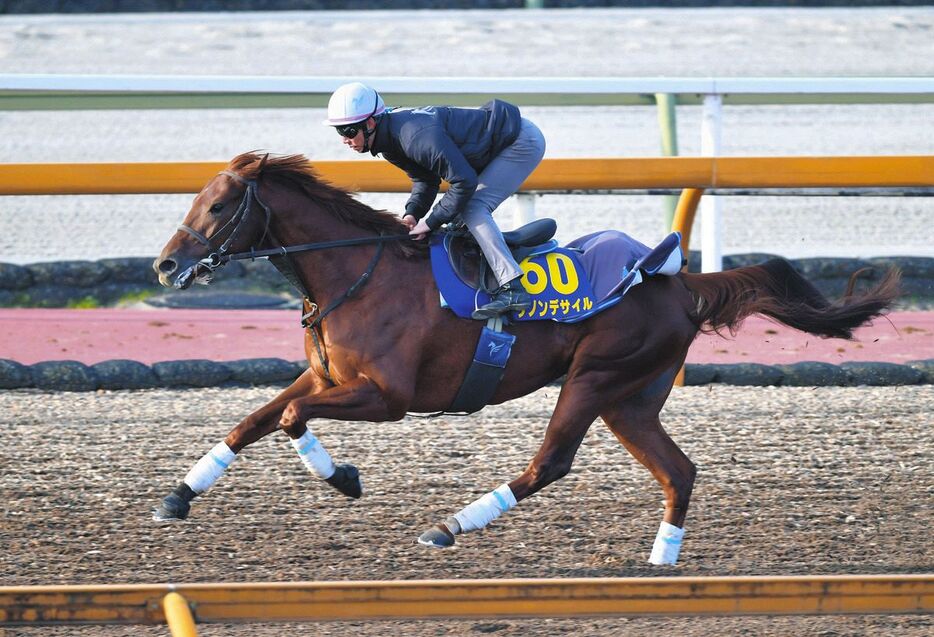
{"x":325,"y":274}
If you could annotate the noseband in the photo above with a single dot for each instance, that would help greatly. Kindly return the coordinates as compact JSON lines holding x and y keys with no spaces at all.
{"x":235,"y":223}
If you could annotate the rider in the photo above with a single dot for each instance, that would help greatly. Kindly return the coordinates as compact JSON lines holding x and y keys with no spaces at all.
{"x":483,"y":154}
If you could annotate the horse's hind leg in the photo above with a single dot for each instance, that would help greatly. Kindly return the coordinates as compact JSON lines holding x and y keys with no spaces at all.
{"x":260,"y":423}
{"x":635,"y":423}
{"x":576,"y":409}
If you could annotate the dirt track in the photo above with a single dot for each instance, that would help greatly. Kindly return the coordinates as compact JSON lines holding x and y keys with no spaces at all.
{"x":791,"y":481}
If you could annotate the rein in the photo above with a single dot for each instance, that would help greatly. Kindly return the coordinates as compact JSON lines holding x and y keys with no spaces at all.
{"x":279,"y":257}
{"x":307,"y":247}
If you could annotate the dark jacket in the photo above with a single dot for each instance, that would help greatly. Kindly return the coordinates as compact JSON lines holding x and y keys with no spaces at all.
{"x":442,"y":142}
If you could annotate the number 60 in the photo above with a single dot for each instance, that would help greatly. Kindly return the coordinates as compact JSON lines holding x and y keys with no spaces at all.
{"x":563,"y":277}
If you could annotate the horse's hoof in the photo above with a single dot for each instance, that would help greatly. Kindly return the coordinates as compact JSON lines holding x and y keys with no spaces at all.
{"x":346,"y":479}
{"x":437,"y":537}
{"x":173,"y":507}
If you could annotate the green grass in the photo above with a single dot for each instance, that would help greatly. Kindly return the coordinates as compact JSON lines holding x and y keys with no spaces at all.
{"x":85,"y":303}
{"x":139,"y":295}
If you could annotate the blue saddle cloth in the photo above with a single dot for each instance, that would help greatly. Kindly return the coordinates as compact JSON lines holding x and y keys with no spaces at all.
{"x":567,"y":284}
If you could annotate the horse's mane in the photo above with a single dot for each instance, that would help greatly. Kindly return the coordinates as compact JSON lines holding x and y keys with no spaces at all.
{"x":295,"y":171}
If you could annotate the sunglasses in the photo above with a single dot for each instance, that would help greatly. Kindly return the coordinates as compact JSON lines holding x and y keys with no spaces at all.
{"x":350,"y":130}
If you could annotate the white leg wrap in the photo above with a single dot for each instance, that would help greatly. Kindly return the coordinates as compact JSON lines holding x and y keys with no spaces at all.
{"x":314,"y":456}
{"x":484,"y":510}
{"x":211,"y":467}
{"x":667,"y":544}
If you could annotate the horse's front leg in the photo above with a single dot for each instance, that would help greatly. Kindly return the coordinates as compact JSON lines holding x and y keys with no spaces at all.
{"x":212,"y":465}
{"x":359,"y":399}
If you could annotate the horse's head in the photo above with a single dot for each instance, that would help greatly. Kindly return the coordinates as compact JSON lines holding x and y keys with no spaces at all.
{"x":226,"y":216}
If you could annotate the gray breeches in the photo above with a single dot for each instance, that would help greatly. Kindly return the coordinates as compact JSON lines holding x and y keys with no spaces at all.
{"x":500,"y":179}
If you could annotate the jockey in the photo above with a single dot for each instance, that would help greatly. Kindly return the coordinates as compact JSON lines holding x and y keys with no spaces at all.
{"x":484,"y":154}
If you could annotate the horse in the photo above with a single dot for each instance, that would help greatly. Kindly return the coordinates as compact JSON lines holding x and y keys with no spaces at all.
{"x":384,"y":346}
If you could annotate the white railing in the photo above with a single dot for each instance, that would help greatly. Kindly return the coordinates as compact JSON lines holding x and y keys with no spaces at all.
{"x":553,"y":91}
{"x":52,"y":92}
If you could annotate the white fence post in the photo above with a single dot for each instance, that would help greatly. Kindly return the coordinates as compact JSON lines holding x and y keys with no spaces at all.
{"x":711,"y":222}
{"x":523,"y":209}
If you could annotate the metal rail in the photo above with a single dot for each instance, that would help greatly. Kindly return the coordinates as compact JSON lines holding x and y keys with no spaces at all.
{"x":61,"y":92}
{"x":552,"y":175}
{"x":310,"y":601}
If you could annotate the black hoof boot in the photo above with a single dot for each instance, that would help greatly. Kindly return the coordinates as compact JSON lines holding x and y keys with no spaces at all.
{"x":441,"y":536}
{"x":176,"y":505}
{"x":346,"y":479}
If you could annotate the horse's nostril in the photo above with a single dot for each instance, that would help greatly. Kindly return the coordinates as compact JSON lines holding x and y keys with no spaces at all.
{"x":167,"y":266}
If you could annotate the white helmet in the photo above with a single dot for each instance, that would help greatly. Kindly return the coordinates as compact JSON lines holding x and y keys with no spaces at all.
{"x":352,"y":103}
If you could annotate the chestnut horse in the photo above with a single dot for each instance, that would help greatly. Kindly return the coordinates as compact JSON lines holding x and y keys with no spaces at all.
{"x":389,"y":348}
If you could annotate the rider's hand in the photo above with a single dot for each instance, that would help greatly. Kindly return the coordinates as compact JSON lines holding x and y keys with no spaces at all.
{"x":420,"y":231}
{"x":409,"y":221}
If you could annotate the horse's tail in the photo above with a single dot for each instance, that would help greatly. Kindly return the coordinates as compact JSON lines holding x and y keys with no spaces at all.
{"x":775,"y":289}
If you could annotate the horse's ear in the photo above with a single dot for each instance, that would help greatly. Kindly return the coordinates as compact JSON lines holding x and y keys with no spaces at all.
{"x":262,"y":165}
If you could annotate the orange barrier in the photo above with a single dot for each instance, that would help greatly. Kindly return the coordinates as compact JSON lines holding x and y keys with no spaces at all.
{"x":551,"y":175}
{"x":309,"y":601}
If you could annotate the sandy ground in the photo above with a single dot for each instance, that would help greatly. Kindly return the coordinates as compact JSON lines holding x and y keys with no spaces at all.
{"x":791,"y":481}
{"x":591,"y":43}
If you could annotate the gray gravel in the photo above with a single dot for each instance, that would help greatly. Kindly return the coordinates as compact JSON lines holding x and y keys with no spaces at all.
{"x":791,"y":481}
{"x":573,"y":43}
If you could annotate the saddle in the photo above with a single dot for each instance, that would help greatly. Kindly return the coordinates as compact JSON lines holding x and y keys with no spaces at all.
{"x":470,"y":265}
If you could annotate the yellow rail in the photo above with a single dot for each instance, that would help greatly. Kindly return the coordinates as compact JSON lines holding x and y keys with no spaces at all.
{"x":143,"y":604}
{"x":552,"y":174}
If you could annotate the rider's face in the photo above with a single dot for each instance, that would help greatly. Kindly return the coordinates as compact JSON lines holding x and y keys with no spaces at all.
{"x":357,"y":141}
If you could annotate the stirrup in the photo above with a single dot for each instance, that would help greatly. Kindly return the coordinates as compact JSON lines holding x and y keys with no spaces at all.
{"x":497,"y":306}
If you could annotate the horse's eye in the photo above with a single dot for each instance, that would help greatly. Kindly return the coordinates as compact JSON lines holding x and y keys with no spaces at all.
{"x":216,"y":208}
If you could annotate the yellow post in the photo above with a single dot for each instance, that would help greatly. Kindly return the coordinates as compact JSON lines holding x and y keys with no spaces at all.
{"x":178,"y":616}
{"x":684,"y":216}
{"x":683,"y":222}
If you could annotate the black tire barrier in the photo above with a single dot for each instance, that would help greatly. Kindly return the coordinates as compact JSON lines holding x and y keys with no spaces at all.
{"x":125,"y":374}
{"x":63,"y":376}
{"x":132,"y":375}
{"x":864,"y":373}
{"x":263,"y":371}
{"x":813,"y":374}
{"x":110,"y":282}
{"x":191,"y":373}
{"x":926,"y":367}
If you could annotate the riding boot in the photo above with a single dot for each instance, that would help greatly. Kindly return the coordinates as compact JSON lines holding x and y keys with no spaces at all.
{"x":510,"y":297}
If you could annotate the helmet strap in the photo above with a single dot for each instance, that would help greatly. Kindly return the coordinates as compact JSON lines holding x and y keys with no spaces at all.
{"x":367,"y":133}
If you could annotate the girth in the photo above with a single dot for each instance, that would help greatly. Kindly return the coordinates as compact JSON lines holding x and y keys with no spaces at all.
{"x":486,"y":369}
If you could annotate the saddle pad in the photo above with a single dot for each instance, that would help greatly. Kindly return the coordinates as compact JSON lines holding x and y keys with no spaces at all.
{"x":566,"y":284}
{"x":615,"y":262}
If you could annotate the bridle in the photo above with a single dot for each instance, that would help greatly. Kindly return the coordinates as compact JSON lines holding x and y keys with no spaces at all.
{"x":279,"y":256}
{"x":217,"y":258}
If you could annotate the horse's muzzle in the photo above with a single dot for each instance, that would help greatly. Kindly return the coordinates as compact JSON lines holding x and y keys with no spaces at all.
{"x":198,"y":272}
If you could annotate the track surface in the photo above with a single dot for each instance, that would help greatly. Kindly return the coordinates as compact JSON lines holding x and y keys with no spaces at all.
{"x":791,"y":481}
